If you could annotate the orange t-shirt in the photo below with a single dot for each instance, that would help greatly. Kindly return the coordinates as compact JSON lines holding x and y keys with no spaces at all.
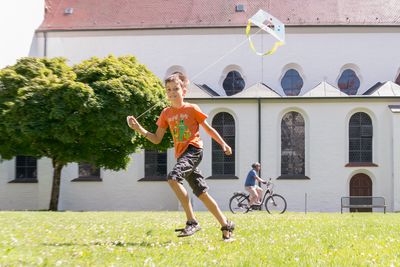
{"x":184,"y":124}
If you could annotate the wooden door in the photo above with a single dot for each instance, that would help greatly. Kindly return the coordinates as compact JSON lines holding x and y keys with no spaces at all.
{"x":361,"y":185}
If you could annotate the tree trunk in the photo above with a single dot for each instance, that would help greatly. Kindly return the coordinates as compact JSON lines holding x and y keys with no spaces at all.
{"x":55,"y":189}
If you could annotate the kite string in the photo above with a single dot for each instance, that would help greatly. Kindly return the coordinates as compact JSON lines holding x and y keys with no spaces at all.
{"x":147,"y":111}
{"x":222,"y":57}
{"x":207,"y":67}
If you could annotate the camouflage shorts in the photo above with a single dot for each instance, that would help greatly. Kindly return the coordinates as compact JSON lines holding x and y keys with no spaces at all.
{"x":186,"y":169}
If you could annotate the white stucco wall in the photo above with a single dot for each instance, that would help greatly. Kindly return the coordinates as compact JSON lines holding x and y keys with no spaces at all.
{"x":25,"y":196}
{"x":396,"y":159}
{"x":327,"y":154}
{"x":117,"y":191}
{"x":326,"y":149}
{"x":321,"y":52}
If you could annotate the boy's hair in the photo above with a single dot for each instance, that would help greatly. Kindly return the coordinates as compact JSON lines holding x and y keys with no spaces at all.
{"x":177,"y":77}
{"x":255,"y":164}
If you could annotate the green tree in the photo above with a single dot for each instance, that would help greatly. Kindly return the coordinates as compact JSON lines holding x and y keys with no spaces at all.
{"x":48,"y":109}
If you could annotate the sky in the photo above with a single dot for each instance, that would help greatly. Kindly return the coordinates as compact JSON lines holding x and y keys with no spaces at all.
{"x":18,"y":21}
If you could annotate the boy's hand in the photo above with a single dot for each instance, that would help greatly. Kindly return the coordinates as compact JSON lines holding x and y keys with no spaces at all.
{"x":227,"y":149}
{"x":132,"y":122}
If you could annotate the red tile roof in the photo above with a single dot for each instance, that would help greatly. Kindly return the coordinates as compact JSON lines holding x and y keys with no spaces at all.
{"x":134,"y":14}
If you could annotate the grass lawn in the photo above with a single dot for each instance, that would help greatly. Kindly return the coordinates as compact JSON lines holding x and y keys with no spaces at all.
{"x":148,"y":239}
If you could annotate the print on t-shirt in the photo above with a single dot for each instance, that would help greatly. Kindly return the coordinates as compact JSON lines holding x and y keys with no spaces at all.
{"x":183,"y":124}
{"x":181,"y":132}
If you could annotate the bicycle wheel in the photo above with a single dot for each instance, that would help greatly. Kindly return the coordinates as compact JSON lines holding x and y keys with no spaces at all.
{"x":239,"y":203}
{"x":275,"y":204}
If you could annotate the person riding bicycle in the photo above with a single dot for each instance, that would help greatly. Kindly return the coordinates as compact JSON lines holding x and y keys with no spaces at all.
{"x":252,"y":187}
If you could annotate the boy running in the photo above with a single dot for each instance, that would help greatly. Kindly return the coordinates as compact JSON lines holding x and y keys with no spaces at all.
{"x":183,"y":120}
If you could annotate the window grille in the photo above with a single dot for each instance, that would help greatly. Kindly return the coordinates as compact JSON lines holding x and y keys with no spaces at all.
{"x":155,"y":163}
{"x":292,"y":82}
{"x":26,"y":167}
{"x":233,"y":83}
{"x":224,"y":124}
{"x":88,"y":170}
{"x":360,"y":138}
{"x":292,"y":144}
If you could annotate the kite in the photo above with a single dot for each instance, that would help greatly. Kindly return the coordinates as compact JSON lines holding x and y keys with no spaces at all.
{"x":271,"y":25}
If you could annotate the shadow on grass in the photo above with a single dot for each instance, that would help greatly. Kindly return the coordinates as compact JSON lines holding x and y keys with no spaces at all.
{"x":115,"y":243}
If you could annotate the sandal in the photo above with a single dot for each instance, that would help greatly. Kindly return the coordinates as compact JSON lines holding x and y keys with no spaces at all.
{"x":190,"y":228}
{"x":230,"y":226}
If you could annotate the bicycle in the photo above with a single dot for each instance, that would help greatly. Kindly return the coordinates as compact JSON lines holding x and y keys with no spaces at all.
{"x":274,"y":203}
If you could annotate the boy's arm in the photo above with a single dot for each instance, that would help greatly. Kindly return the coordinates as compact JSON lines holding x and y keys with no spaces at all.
{"x":215,"y":135}
{"x":155,"y":138}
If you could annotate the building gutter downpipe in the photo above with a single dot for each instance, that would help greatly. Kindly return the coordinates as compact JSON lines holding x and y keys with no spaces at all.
{"x":259,"y":131}
{"x":45,"y":44}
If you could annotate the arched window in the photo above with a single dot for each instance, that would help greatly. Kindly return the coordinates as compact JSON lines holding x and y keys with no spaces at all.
{"x":349,"y":82}
{"x":155,"y":164}
{"x":292,"y":83}
{"x":224,"y":123}
{"x":360,"y":138}
{"x":233,"y":83}
{"x":292,"y":144}
{"x":25,"y":168}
